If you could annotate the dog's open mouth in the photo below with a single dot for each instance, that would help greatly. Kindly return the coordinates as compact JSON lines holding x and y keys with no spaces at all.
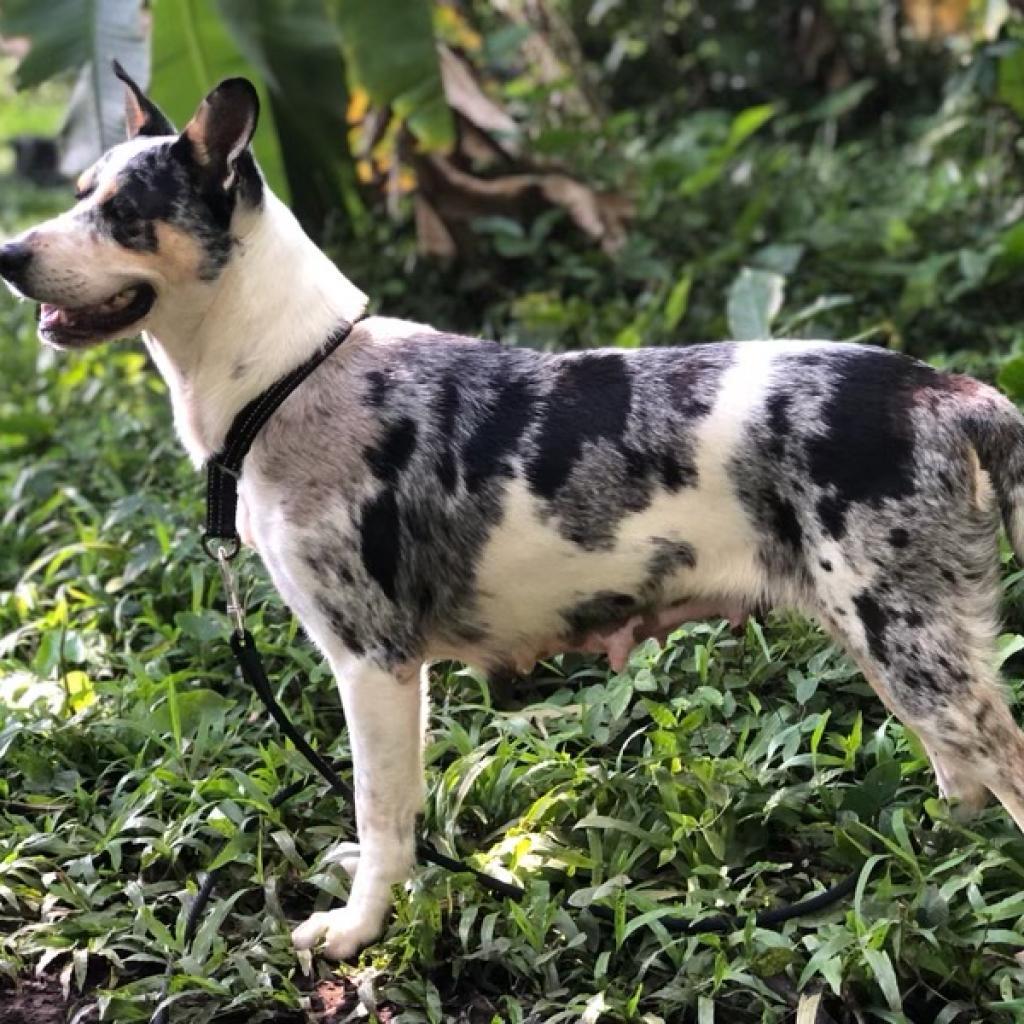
{"x":70,"y":326}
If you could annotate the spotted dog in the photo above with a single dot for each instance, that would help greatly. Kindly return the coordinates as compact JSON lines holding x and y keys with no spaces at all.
{"x":425,"y":497}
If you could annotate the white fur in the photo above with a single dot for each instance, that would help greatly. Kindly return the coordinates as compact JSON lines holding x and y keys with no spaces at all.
{"x":276,"y":301}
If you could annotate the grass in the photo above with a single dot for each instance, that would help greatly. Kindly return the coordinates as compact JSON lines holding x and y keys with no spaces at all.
{"x":722,"y":773}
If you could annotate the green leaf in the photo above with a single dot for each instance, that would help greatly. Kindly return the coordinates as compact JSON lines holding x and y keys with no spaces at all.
{"x":294,"y":46}
{"x":390,"y":52}
{"x":1010,"y":377}
{"x":748,"y":121}
{"x":1010,"y":87}
{"x":881,"y":967}
{"x":190,"y":710}
{"x":74,"y":35}
{"x":875,"y":791}
{"x":755,"y":299}
{"x":678,"y":301}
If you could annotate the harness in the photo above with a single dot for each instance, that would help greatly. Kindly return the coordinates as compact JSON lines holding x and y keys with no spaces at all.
{"x":221,"y":543}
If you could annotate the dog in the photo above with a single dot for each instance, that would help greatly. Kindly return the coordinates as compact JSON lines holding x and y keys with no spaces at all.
{"x":423,"y":497}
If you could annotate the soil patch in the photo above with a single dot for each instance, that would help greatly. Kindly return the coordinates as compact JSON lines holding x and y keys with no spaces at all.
{"x":34,"y":1001}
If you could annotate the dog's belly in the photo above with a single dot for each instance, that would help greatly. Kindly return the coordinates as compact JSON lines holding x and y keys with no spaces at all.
{"x":687,"y":556}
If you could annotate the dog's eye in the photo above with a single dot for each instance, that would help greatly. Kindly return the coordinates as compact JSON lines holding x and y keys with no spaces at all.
{"x":117,"y":208}
{"x":83,"y":192}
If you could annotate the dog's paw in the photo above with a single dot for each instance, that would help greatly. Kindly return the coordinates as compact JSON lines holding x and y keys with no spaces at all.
{"x":344,"y":932}
{"x":346,"y":856}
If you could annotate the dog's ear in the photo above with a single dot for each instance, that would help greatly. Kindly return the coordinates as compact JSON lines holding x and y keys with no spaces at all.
{"x":141,"y":115}
{"x":222,"y":128}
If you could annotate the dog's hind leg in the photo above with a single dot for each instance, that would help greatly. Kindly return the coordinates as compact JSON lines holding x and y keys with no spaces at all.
{"x":956,"y":783}
{"x":924,"y":636}
{"x":384,"y":716}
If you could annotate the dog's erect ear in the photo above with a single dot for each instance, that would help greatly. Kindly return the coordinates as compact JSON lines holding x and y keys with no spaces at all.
{"x":141,"y":114}
{"x":222,"y":128}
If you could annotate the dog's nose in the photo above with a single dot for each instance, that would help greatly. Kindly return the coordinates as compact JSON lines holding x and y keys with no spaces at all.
{"x":14,"y":260}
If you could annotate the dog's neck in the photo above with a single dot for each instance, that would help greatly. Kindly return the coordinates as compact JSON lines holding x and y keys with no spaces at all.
{"x":273,"y":305}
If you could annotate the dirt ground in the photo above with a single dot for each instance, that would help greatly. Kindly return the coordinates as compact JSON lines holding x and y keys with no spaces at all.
{"x":40,"y":1001}
{"x":34,"y":1001}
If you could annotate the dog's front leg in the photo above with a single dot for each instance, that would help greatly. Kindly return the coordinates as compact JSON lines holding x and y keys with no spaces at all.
{"x":383,"y":711}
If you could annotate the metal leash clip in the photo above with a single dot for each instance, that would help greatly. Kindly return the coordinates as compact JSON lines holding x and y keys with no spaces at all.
{"x":236,"y":610}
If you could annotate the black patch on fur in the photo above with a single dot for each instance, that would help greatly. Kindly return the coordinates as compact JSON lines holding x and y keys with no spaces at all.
{"x":341,"y":627}
{"x":447,"y":472}
{"x":696,"y":377}
{"x":668,"y":557}
{"x":380,"y":540}
{"x":446,"y":405}
{"x":378,"y":387}
{"x":898,"y":537}
{"x":497,"y":434}
{"x":589,"y":402}
{"x":605,"y":610}
{"x":784,"y":522}
{"x":866,"y":450}
{"x":832,"y":516}
{"x":825,"y":564}
{"x":875,"y":619}
{"x":392,"y":455}
{"x":778,"y":423}
{"x":164,"y":184}
{"x":673,"y":476}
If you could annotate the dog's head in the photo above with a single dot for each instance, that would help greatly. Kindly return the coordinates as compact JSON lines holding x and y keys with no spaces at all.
{"x":153,"y":214}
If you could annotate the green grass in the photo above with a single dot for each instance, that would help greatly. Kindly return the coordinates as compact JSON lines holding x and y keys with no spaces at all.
{"x":723,"y":773}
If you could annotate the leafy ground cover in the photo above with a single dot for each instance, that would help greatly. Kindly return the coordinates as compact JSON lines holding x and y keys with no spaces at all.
{"x":722,"y":773}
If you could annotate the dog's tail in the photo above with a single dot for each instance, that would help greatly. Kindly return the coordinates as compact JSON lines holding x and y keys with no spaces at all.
{"x":995,"y":427}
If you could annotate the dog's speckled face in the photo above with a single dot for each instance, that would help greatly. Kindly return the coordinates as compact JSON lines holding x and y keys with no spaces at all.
{"x":153,"y":215}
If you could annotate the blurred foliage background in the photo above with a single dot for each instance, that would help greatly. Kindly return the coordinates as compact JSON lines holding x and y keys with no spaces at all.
{"x":556,"y":173}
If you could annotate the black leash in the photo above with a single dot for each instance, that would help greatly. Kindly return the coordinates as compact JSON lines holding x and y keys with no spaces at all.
{"x":222,"y":543}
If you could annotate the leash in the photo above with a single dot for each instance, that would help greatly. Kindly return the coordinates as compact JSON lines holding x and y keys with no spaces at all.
{"x":222,"y":544}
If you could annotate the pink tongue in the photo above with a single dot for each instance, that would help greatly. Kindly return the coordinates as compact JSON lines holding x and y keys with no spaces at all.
{"x":48,"y":313}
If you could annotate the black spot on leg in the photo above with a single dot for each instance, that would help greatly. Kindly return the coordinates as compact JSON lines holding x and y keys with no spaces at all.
{"x":392,"y":455}
{"x":825,"y":564}
{"x":874,"y":619}
{"x":590,"y":401}
{"x":913,"y":619}
{"x":340,"y":626}
{"x":921,"y":680}
{"x":899,"y":538}
{"x":380,"y":541}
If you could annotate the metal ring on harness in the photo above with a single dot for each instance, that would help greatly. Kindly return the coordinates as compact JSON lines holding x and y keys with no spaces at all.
{"x":213,"y":545}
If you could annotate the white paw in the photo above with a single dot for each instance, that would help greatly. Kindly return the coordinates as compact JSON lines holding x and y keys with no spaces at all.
{"x":346,"y":856}
{"x":344,"y":932}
